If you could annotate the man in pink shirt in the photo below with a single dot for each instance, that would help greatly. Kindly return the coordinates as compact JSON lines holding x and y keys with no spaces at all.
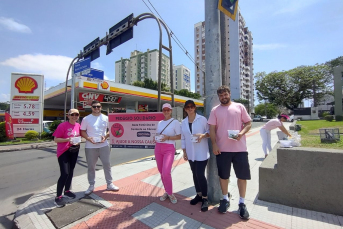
{"x":224,"y":117}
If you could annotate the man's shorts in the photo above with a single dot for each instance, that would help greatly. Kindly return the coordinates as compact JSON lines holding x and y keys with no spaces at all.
{"x":240,"y":165}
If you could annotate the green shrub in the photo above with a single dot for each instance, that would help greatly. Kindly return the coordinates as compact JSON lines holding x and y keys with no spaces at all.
{"x":31,"y":134}
{"x":3,"y":136}
{"x":53,"y":126}
{"x":325,"y":113}
{"x":329,"y":118}
{"x":339,"y":117}
{"x":46,"y":136}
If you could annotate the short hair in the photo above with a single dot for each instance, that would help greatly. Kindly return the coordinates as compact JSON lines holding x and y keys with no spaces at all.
{"x":95,"y":101}
{"x":223,"y":89}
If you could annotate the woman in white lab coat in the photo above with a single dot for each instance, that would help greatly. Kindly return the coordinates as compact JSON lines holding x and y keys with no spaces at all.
{"x":194,"y":143}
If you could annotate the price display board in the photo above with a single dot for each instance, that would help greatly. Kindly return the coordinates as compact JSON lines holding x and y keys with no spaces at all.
{"x":26,"y":102}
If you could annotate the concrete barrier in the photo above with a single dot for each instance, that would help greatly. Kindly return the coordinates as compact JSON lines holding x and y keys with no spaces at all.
{"x":309,"y":178}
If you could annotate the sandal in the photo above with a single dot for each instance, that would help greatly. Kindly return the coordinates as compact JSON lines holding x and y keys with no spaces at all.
{"x":164,"y":197}
{"x":172,"y":199}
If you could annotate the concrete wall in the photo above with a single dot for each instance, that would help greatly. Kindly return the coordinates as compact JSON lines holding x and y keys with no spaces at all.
{"x":309,"y":178}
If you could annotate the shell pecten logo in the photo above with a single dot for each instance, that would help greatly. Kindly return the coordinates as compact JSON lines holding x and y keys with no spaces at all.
{"x":26,"y":84}
{"x":104,"y":85}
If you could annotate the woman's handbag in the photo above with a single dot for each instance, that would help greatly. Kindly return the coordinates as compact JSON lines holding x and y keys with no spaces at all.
{"x":74,"y":148}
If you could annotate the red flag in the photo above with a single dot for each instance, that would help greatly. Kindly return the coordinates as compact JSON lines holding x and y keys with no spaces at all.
{"x":9,"y":126}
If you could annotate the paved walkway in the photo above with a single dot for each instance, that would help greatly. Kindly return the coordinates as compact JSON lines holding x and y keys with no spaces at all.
{"x":137,"y":204}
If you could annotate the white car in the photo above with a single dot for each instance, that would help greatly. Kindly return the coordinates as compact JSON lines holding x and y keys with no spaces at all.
{"x":257,"y":118}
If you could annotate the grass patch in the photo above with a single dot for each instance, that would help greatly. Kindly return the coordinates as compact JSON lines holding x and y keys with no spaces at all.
{"x":22,"y":141}
{"x":310,"y":133}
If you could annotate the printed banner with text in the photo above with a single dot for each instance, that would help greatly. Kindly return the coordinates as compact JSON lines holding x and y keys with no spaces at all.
{"x":133,"y":130}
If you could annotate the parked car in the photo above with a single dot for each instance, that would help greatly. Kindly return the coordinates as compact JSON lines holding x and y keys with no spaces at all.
{"x":291,"y":118}
{"x":257,"y":118}
{"x":46,"y":125}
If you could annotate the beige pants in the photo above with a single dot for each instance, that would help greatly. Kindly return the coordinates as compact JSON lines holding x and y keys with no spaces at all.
{"x":92,"y":155}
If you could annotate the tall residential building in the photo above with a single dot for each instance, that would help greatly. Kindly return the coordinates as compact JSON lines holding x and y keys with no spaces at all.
{"x":238,"y":54}
{"x":142,"y":65}
{"x":182,"y":77}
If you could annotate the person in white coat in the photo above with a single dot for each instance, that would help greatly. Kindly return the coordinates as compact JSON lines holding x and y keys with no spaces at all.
{"x":194,"y":143}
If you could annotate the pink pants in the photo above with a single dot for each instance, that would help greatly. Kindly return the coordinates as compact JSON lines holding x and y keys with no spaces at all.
{"x":164,"y":155}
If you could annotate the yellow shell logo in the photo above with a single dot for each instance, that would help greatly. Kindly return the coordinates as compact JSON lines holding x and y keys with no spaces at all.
{"x":104,"y":85}
{"x":26,"y":84}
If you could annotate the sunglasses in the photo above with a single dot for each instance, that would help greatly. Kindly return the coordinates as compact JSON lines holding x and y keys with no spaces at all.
{"x":75,"y":114}
{"x":189,"y":107}
{"x":166,"y":110}
{"x":96,"y":107}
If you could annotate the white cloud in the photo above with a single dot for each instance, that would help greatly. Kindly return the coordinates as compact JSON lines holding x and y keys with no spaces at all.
{"x":12,"y":25}
{"x":97,"y":65}
{"x":106,"y":78}
{"x":4,"y":97}
{"x":271,"y":46}
{"x":51,"y":66}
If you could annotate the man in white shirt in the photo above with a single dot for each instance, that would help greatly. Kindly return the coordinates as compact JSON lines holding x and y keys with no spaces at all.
{"x":94,"y":128}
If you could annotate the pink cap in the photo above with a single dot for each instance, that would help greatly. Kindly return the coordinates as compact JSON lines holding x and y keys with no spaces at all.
{"x":285,"y":116}
{"x":166,"y":105}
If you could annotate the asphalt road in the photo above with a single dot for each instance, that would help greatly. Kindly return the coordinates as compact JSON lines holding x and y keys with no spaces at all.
{"x":24,"y":173}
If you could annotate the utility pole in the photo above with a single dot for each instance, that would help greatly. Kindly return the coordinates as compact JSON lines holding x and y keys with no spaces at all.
{"x":213,"y":80}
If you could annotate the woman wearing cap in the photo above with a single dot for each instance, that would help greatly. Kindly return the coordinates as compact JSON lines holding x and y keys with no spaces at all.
{"x":194,"y":129}
{"x":67,"y":137}
{"x":265,"y":132}
{"x":169,"y":130}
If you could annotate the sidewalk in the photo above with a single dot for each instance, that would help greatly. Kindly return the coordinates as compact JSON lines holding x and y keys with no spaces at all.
{"x":137,"y":204}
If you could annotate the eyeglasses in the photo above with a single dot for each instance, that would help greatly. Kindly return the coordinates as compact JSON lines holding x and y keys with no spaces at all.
{"x":96,"y":107}
{"x":75,"y":114}
{"x":187,"y":107}
{"x":164,"y":110}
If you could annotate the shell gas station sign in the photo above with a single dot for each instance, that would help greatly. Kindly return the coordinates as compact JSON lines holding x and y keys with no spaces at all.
{"x":26,"y":102}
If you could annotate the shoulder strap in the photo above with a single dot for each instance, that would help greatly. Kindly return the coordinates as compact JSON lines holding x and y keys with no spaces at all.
{"x":167,"y":126}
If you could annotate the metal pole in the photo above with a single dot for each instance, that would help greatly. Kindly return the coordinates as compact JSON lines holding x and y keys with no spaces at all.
{"x":72,"y":93}
{"x":159,"y":22}
{"x":66,"y":87}
{"x":213,"y":80}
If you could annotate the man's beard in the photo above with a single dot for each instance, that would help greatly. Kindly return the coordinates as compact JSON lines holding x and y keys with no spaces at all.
{"x":225,"y":101}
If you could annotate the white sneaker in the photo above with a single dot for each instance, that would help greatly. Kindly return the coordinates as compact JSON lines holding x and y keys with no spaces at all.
{"x":89,"y":190}
{"x":112,"y":187}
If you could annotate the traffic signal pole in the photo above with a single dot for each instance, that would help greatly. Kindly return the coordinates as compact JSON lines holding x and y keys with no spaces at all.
{"x":128,"y":23}
{"x":213,"y":80}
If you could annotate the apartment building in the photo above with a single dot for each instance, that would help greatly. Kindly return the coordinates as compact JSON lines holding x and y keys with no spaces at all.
{"x":182,"y":77}
{"x":237,"y":41}
{"x":142,"y":65}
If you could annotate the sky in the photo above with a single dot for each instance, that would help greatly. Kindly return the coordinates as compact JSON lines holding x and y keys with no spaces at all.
{"x":43,"y":37}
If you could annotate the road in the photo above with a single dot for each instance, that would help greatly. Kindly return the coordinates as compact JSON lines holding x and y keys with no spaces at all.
{"x":26,"y":172}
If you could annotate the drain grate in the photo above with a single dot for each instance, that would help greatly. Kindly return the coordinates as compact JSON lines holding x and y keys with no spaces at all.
{"x":61,"y":217}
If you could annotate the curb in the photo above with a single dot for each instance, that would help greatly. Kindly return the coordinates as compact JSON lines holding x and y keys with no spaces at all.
{"x":28,"y":146}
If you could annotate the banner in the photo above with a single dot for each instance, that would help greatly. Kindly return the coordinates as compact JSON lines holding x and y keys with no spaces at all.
{"x":9,"y":126}
{"x":134,"y":130}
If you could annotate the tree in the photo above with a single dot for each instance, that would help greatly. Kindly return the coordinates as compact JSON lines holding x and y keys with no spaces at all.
{"x":138,"y":84}
{"x":242,"y":101}
{"x":4,"y":106}
{"x":186,"y":93}
{"x":290,"y":88}
{"x":334,"y":63}
{"x":268,"y":109}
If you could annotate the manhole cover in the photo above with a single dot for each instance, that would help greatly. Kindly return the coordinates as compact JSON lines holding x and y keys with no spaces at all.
{"x":62,"y":217}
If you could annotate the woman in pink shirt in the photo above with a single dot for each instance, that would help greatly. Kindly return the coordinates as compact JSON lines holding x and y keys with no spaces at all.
{"x":67,"y":137}
{"x":265,"y":131}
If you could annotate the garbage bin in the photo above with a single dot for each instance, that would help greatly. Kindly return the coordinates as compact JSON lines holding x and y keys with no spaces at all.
{"x":297,"y":127}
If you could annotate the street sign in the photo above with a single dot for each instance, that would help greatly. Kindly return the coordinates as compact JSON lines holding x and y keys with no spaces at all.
{"x":121,"y":33}
{"x":229,"y":8}
{"x":93,"y":51}
{"x":95,"y":74}
{"x":82,"y":67}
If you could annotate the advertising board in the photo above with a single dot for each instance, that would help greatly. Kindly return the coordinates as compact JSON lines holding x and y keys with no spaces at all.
{"x":26,"y":102}
{"x":134,"y":130}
